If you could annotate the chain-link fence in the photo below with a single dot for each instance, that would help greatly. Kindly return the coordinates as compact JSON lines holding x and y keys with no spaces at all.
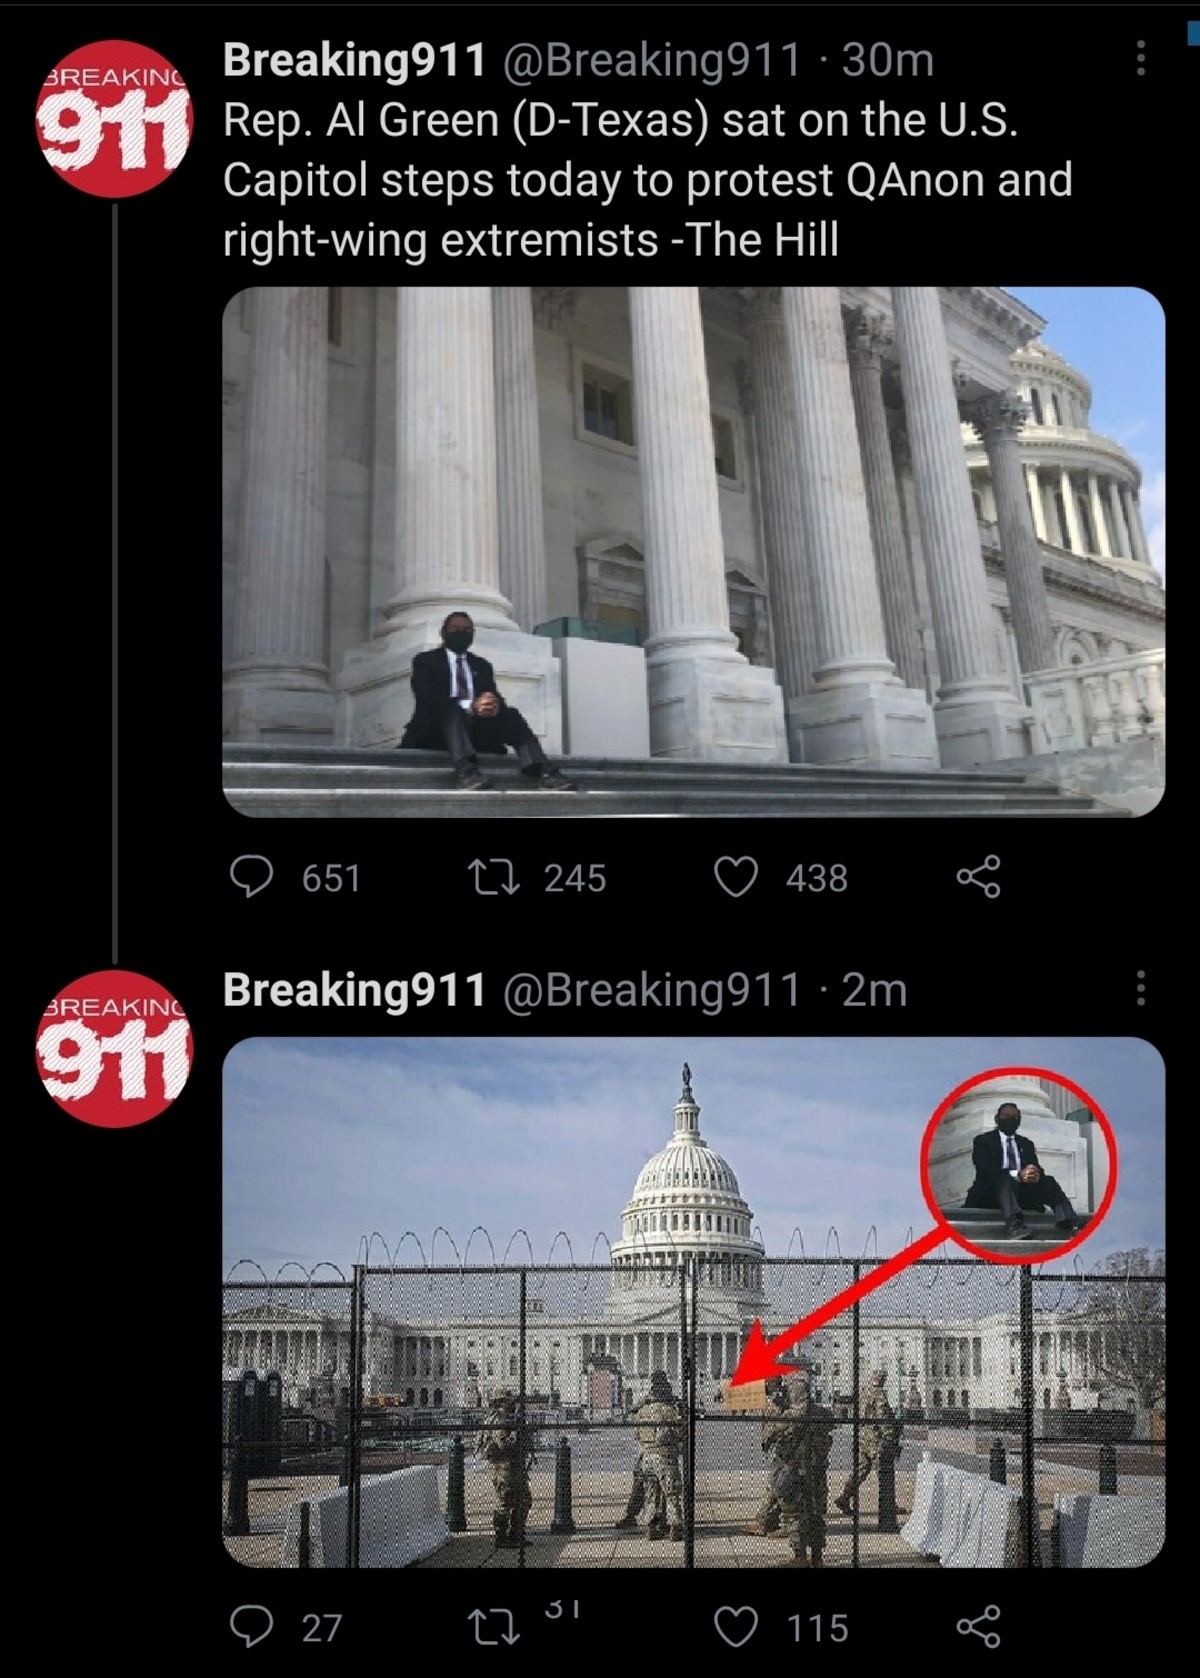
{"x":960,"y":1414}
{"x":288,"y":1358}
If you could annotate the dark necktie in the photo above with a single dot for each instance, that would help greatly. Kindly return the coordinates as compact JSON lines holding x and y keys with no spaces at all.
{"x":461,"y":691}
{"x":1010,"y":1149}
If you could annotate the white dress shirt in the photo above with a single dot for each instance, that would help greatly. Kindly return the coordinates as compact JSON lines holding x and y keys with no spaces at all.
{"x":454,"y":658}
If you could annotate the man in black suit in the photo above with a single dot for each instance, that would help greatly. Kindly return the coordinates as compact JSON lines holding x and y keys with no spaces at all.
{"x":460,"y":711}
{"x":1007,"y":1175}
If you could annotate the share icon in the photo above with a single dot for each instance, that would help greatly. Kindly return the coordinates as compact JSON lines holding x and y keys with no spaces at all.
{"x":991,"y":1639}
{"x":966,"y":876}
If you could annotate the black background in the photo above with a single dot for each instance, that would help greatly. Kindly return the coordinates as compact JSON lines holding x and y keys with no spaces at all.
{"x":127,"y":1247}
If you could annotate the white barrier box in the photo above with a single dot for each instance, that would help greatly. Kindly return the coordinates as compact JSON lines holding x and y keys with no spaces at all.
{"x":1103,"y":1531}
{"x":606,"y":711}
{"x":401,"y":1522}
{"x":965,"y":1520}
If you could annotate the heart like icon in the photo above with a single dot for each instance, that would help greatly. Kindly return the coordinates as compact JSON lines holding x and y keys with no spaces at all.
{"x":735,"y":874}
{"x":738,"y":1633}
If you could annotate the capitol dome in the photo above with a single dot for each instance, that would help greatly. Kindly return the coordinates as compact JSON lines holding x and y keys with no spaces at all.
{"x":1083,"y":488}
{"x":686,"y":1205}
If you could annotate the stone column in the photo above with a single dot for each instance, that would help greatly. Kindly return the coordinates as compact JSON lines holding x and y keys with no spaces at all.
{"x":447,"y":546}
{"x":858,"y":711}
{"x":278,"y":683}
{"x":1072,"y":516}
{"x":518,"y":459}
{"x":1012,"y":655}
{"x":1120,"y":531}
{"x":706,"y":700}
{"x":1035,"y":502}
{"x":998,"y":418}
{"x":868,"y":338}
{"x":906,"y":490}
{"x":1058,"y":535}
{"x":978,"y":719}
{"x":1133,"y":523}
{"x":792,"y":617}
{"x":447,"y":531}
{"x":1097,"y":509}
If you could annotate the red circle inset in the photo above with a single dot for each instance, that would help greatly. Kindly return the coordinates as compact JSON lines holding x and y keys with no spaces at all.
{"x":114,"y":1049}
{"x":1061,"y":1247}
{"x":114,"y":119}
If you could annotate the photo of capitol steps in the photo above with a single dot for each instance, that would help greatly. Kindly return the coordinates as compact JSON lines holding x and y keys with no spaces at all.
{"x":279,"y":780}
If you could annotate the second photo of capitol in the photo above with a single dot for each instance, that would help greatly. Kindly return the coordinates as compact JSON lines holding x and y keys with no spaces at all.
{"x":590,"y":1304}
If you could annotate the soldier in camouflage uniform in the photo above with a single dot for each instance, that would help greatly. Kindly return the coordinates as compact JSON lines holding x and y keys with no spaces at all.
{"x":766,"y":1522}
{"x":798,"y":1440}
{"x":500,"y":1447}
{"x":660,"y":1435}
{"x":878,"y":1432}
{"x":637,"y":1498}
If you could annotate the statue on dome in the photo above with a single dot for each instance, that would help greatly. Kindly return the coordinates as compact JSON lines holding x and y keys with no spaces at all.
{"x":687,"y":1082}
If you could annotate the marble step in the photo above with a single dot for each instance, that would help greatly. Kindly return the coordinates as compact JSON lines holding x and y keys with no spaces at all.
{"x":619,"y":778}
{"x":515,"y":806}
{"x":623,"y":771}
{"x":313,"y":781}
{"x":984,"y":1226}
{"x":1004,"y":1247}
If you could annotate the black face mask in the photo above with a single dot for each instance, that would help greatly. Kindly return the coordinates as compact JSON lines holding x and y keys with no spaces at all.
{"x":458,"y":640}
{"x":1008,"y":1125}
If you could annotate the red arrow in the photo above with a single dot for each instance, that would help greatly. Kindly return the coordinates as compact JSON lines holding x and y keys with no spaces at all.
{"x":757,"y":1362}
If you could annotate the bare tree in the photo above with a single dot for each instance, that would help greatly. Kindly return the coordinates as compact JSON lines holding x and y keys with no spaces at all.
{"x":1127,"y":1299}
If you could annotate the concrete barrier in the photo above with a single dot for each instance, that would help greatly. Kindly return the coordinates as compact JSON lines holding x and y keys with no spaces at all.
{"x":401,"y":1522}
{"x":923,"y":1524}
{"x":1095,"y":1531}
{"x":965,"y":1520}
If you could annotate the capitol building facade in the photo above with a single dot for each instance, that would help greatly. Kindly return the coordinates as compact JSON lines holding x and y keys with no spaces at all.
{"x":860,"y":525}
{"x":426,"y":1351}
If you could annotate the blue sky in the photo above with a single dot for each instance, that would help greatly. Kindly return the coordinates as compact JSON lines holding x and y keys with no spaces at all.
{"x":1116,"y":337}
{"x":328,"y":1140}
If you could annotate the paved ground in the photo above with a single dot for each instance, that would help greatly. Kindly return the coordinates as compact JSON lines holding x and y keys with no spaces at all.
{"x":727,"y":1499}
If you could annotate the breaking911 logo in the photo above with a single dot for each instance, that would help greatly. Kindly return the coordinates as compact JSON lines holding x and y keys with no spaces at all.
{"x":114,"y":1049}
{"x":114,"y":119}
